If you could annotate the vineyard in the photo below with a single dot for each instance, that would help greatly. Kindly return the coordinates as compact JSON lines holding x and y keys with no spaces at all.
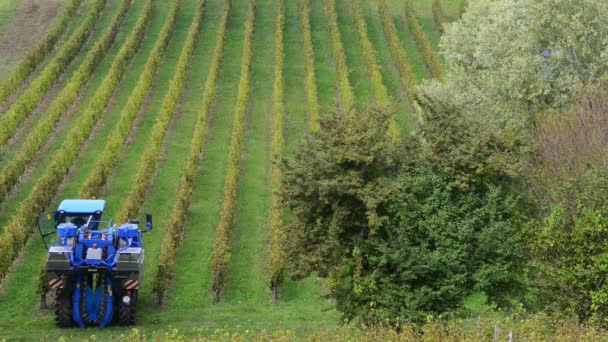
{"x":183,"y":109}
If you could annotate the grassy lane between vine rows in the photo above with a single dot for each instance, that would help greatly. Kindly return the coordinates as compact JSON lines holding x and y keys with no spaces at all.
{"x":35,"y":57}
{"x":41,"y":163}
{"x":39,"y":136}
{"x":191,"y":283}
{"x":325,"y":66}
{"x":23,"y":107}
{"x":390,"y":74}
{"x":247,"y":269}
{"x":13,"y":305}
{"x":173,"y":232}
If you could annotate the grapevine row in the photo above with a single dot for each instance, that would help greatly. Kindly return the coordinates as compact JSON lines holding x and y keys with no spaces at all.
{"x":179,"y":215}
{"x":38,"y":138}
{"x":221,"y":254}
{"x":339,"y":56}
{"x":424,"y":46}
{"x":19,"y":228}
{"x":400,"y":58}
{"x":23,"y":107}
{"x":151,"y":156}
{"x":369,"y":55}
{"x":312,"y":97}
{"x":109,"y":157}
{"x":276,"y":235}
{"x":36,"y":56}
{"x":438,"y":16}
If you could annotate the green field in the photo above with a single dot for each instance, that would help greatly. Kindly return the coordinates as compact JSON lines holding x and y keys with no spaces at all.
{"x":246,"y":302}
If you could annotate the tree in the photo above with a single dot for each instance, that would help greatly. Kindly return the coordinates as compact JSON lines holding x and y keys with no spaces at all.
{"x":403,"y":231}
{"x":510,"y":60}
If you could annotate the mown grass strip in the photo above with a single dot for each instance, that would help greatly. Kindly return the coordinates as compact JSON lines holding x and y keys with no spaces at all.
{"x":431,"y":60}
{"x":408,"y":79}
{"x":18,"y":230}
{"x":276,"y":236}
{"x":439,"y":17}
{"x":151,"y":156}
{"x":39,"y":53}
{"x":346,"y":90}
{"x":109,"y":157}
{"x":312,"y":97}
{"x":221,"y":253}
{"x":23,"y":107}
{"x":179,"y":215}
{"x":38,"y":138}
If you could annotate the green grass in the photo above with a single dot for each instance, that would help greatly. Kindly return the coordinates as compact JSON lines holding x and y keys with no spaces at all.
{"x":246,"y":303}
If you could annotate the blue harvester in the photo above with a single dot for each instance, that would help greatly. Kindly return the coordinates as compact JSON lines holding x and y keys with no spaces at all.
{"x":95,"y":272}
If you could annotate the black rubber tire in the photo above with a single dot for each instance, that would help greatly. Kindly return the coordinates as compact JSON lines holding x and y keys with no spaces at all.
{"x":126,"y":312}
{"x":63,"y":312}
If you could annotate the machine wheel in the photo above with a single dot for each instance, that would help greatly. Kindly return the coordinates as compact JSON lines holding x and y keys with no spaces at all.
{"x":63,"y":312}
{"x":126,"y":312}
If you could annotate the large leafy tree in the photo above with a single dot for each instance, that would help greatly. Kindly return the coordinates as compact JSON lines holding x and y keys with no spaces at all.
{"x":403,"y":231}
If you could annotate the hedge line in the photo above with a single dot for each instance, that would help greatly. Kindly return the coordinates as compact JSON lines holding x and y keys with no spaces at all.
{"x":19,"y":228}
{"x":312,"y":97}
{"x":276,"y":235}
{"x":23,"y":107}
{"x":399,"y":57}
{"x":38,"y":137}
{"x":339,"y":56}
{"x":151,"y":156}
{"x":179,"y":215}
{"x":38,"y":54}
{"x":424,"y":46}
{"x":221,"y":254}
{"x":438,"y":16}
{"x":109,"y":157}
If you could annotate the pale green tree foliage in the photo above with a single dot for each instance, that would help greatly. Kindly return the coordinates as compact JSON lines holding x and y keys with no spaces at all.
{"x":511,"y":59}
